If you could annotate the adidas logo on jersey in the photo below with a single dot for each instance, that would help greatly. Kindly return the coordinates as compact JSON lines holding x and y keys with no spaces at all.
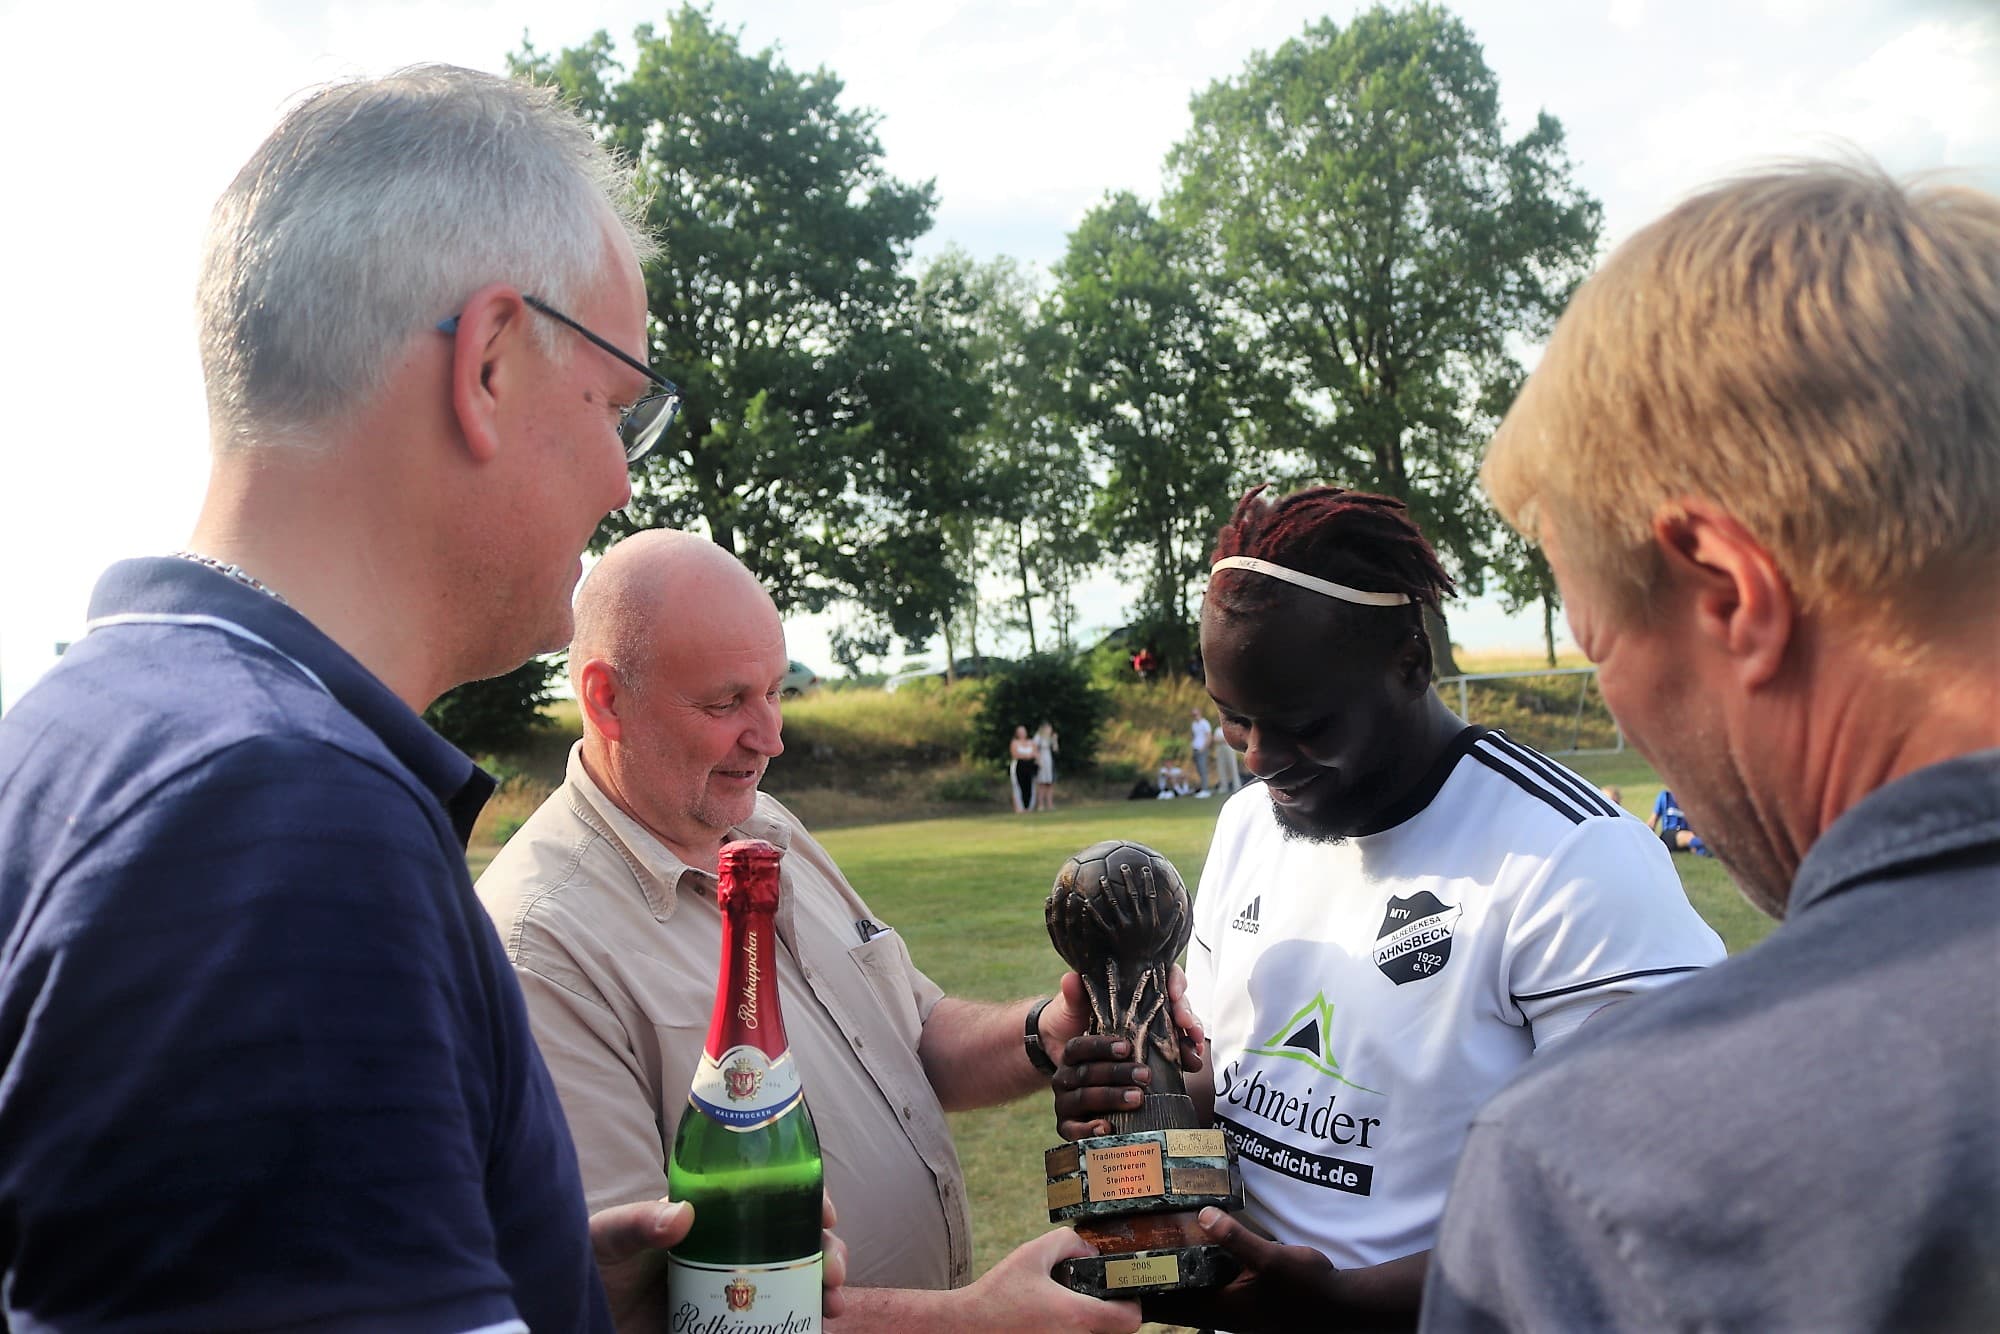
{"x":1247,"y":919}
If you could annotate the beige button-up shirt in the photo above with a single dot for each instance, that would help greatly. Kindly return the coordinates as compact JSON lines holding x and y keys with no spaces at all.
{"x":616,"y":943}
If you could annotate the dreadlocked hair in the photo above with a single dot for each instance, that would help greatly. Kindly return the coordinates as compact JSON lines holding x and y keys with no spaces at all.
{"x":1355,"y":538}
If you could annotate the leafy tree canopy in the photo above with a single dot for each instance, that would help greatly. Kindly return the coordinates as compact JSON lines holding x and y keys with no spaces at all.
{"x":821,"y":441}
{"x":1030,"y":490}
{"x":1151,"y":384}
{"x":1388,"y":250}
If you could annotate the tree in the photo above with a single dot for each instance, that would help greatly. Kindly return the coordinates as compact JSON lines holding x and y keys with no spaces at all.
{"x":851,"y":645}
{"x":1040,"y":479}
{"x":1388,"y":250}
{"x":1051,"y":688}
{"x":1148,"y":386}
{"x":1525,"y":581}
{"x":496,"y":714}
{"x":821,"y":436}
{"x":1027,"y":513}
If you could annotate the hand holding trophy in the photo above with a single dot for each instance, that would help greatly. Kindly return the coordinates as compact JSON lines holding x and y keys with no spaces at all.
{"x":1119,"y":916}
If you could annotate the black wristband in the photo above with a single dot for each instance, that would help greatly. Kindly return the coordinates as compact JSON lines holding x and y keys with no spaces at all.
{"x":1038,"y":1057}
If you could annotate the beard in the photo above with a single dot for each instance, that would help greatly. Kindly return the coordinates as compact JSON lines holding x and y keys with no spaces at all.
{"x":1306,"y":832}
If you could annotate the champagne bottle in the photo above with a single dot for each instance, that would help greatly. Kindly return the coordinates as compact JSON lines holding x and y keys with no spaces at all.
{"x":746,"y":1155}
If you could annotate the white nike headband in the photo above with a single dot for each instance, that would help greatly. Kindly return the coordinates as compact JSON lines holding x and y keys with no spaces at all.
{"x":1317,"y":585}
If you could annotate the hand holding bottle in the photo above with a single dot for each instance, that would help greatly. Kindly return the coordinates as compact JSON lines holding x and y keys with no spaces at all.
{"x":630,"y":1242}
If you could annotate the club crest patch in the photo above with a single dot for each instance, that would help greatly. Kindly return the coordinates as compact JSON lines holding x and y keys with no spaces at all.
{"x":1415,"y":939}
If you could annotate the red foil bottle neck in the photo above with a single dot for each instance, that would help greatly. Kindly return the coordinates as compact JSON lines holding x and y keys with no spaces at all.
{"x":746,"y":1012}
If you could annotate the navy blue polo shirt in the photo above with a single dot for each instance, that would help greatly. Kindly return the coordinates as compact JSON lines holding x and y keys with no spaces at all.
{"x":262,"y":1060}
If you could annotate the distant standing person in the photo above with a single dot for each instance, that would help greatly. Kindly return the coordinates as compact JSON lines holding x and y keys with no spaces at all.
{"x":1021,"y":750}
{"x":1200,"y":735}
{"x":1046,"y":747}
{"x":1227,"y":776}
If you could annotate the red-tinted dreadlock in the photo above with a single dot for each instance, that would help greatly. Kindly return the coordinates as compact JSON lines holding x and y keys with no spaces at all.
{"x":1351,"y":537}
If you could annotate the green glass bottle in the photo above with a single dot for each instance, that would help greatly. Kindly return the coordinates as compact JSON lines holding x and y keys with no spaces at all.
{"x":746,"y":1155}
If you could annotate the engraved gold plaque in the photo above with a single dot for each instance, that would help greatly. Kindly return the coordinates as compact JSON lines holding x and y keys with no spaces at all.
{"x":1196,"y":1144}
{"x":1198,"y":1181}
{"x":1125,"y":1172}
{"x":1065,"y":1192}
{"x":1144,"y":1271}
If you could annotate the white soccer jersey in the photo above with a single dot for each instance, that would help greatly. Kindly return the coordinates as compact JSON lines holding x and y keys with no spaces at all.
{"x":1364,"y":998}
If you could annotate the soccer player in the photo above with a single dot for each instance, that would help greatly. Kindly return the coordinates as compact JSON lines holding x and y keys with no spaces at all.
{"x":1670,"y":822}
{"x":1402,"y":914}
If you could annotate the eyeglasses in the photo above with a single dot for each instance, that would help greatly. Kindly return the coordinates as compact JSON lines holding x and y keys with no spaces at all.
{"x":642,"y":424}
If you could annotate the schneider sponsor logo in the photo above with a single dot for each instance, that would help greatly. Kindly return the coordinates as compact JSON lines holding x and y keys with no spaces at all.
{"x":1314,"y":1114}
{"x":1304,"y":1038}
{"x":1264,"y":1093}
{"x":1318,"y":1168}
{"x":1247,"y":919}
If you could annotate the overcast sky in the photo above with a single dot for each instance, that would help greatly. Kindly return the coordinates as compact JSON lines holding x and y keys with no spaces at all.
{"x":125,"y":120}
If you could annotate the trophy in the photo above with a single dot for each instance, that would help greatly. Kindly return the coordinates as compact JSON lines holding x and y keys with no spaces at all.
{"x":1119,"y":916}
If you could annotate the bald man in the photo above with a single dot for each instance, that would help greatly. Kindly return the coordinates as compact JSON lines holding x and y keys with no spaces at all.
{"x":605,"y":901}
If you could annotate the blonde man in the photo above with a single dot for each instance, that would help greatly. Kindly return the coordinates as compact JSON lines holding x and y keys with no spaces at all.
{"x":1762,"y":453}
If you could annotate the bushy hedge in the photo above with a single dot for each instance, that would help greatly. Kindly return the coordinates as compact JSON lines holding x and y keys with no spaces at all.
{"x":1046,"y":688}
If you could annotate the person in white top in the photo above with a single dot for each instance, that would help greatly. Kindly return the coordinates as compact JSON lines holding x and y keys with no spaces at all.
{"x":1199,"y":738}
{"x":1399,"y":916}
{"x":1223,"y":761}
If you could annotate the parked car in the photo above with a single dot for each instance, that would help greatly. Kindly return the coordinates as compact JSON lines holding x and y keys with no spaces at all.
{"x":799,"y":678}
{"x":978,"y":664}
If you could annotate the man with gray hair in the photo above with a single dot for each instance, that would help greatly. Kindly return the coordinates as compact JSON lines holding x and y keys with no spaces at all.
{"x":262,"y":1062}
{"x":1762,"y":453}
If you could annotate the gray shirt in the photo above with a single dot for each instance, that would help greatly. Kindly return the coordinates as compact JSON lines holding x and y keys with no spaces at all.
{"x":1806,"y":1137}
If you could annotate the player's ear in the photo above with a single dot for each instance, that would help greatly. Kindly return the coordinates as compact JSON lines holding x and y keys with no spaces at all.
{"x":1413,"y":658}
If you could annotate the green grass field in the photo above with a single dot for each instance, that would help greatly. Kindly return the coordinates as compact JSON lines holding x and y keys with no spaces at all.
{"x":967,"y":894}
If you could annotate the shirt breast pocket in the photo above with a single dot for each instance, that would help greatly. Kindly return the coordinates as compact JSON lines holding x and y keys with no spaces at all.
{"x":884,"y":961}
{"x":677,"y":1009}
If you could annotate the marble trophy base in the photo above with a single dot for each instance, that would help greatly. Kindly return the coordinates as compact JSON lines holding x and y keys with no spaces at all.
{"x":1134,"y":1197}
{"x":1146,"y":1254}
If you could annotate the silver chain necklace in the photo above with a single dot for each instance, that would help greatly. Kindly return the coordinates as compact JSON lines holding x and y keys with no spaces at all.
{"x":236,"y":572}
